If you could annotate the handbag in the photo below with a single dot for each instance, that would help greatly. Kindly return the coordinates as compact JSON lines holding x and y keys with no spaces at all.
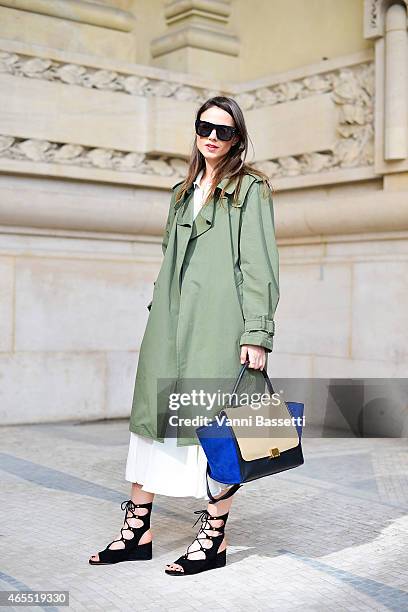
{"x":235,"y":452}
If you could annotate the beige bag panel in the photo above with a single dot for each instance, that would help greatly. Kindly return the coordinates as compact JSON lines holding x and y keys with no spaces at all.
{"x":258,"y":442}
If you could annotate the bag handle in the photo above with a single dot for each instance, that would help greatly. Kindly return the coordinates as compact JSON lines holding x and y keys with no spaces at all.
{"x":230,"y":491}
{"x":235,"y":487}
{"x":241,"y":373}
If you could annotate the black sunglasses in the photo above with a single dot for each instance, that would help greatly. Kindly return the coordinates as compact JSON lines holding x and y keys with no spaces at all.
{"x":224,"y":132}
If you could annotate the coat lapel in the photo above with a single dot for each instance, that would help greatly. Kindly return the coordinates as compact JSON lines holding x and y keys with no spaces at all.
{"x":184,"y":221}
{"x":186,"y":229}
{"x":205,"y":218}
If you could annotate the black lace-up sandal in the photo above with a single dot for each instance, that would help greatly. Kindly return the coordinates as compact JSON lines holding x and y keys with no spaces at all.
{"x":209,"y":540}
{"x":131,"y":534}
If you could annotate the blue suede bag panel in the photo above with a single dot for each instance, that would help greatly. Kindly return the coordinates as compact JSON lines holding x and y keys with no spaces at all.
{"x":219,"y":446}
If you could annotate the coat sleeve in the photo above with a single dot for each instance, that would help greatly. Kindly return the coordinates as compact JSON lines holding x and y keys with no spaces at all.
{"x":259,"y":262}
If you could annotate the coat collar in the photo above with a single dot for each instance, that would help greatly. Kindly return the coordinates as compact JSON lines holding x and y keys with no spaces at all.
{"x":205,"y":218}
{"x":221,"y":185}
{"x":198,"y":178}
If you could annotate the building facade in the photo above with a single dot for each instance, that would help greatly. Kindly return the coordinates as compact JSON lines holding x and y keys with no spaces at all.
{"x":97,"y":108}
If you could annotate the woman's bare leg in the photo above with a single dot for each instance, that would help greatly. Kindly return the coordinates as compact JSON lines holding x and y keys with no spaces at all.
{"x":217,"y":509}
{"x":138,"y":497}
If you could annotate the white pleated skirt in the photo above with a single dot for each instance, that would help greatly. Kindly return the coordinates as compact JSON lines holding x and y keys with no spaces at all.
{"x":167,"y":469}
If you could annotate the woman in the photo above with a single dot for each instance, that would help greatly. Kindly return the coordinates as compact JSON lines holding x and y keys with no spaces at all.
{"x":213,"y":306}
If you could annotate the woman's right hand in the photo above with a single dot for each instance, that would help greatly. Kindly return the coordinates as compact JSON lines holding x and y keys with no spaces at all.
{"x":256,"y":356}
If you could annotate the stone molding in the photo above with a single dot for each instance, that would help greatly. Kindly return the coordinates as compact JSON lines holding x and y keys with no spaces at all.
{"x":316,"y":219}
{"x":36,"y":150}
{"x":77,"y":10}
{"x":351,"y":87}
{"x":33,"y":67}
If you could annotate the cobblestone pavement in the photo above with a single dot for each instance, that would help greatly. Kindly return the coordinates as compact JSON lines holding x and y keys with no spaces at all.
{"x":329,"y":535}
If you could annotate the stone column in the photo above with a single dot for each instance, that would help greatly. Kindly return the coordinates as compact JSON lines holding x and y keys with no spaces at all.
{"x":385,"y":23}
{"x":197,"y":40}
{"x":396,"y":83}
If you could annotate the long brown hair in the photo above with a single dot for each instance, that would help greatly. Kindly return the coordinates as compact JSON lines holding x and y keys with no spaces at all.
{"x":233,"y":164}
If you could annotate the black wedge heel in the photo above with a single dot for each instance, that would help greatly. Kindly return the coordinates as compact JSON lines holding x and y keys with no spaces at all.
{"x":213,"y":559}
{"x":132,"y":551}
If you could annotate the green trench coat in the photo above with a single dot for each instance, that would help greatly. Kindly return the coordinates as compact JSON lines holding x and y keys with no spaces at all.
{"x":217,"y":289}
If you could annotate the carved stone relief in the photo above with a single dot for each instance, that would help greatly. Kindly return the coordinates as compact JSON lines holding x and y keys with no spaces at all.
{"x":352,"y":90}
{"x":85,"y":76}
{"x":374,"y":17}
{"x":35,"y":150}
